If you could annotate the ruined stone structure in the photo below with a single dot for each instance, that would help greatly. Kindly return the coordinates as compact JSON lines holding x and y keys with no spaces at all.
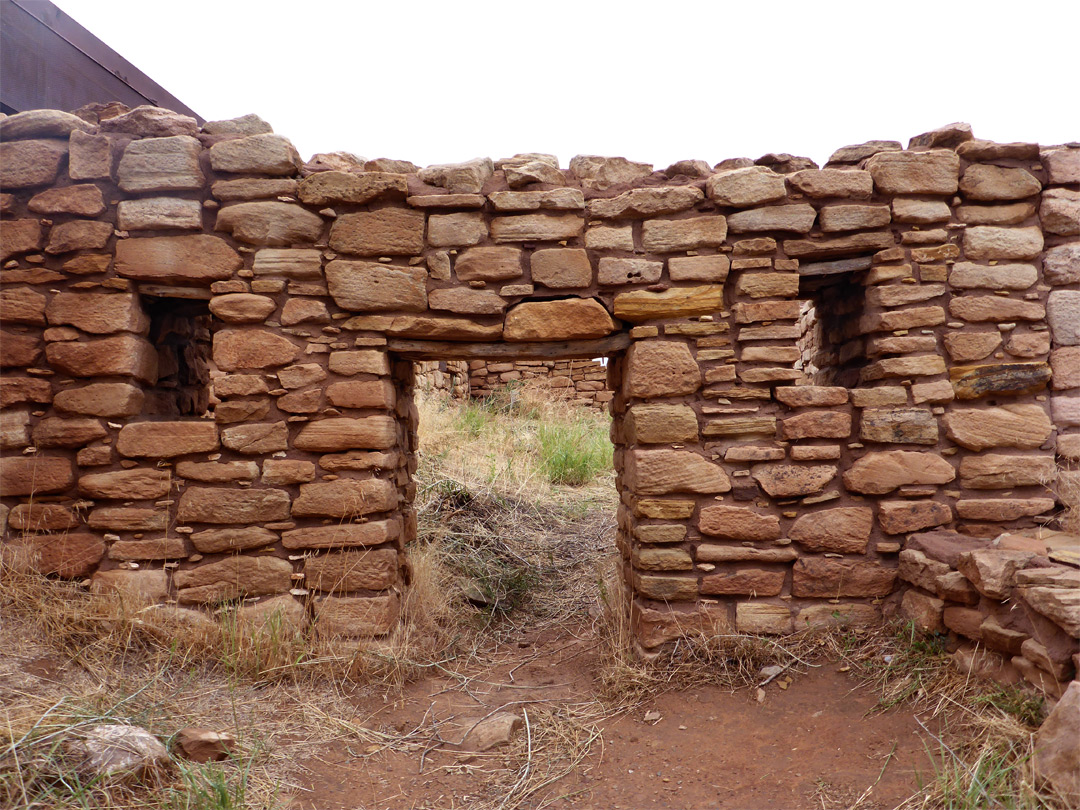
{"x":208,"y":357}
{"x":580,"y":382}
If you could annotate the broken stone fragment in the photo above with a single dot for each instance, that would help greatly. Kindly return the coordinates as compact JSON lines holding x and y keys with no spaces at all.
{"x":116,"y":752}
{"x":204,"y":745}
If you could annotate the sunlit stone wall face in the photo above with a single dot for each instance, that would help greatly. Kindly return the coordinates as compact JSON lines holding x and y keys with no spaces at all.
{"x":939,"y":285}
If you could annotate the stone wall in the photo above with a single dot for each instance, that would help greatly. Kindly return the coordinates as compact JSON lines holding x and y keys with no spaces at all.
{"x":208,"y":356}
{"x":444,"y":377}
{"x":581,"y":382}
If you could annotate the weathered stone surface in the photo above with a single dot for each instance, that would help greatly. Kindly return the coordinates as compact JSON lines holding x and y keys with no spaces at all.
{"x":16,"y":390}
{"x":456,"y":230}
{"x":993,"y":308}
{"x":991,"y":570}
{"x":459,"y":178}
{"x":935,"y":172}
{"x":992,"y":471}
{"x":966,"y":276}
{"x":242,"y":307}
{"x":835,"y":218}
{"x":811,"y":396}
{"x":147,"y":121}
{"x":842,"y":615}
{"x":982,"y":181}
{"x":560,"y":268}
{"x":126,"y":485}
{"x":738,"y":523}
{"x":98,"y":313}
{"x":345,"y":498}
{"x":1063,"y":165}
{"x":974,"y":382}
{"x":166,"y":439}
{"x":277,"y":224}
{"x":845,"y":530}
{"x":214,"y":472}
{"x":715,"y":552}
{"x":658,"y":472}
{"x":24,"y":164}
{"x":249,"y":124}
{"x":679,"y":302}
{"x":610,"y":237}
{"x":347,"y":535}
{"x":661,"y":424}
{"x":601,"y":173}
{"x":356,"y":617}
{"x":363,"y":361}
{"x":817,"y":424}
{"x":967,"y":346}
{"x":699,"y":268}
{"x":743,"y":188}
{"x":19,"y":236}
{"x":304,"y":310}
{"x":44,"y":517}
{"x":231,"y":505}
{"x":827,"y":578}
{"x":744,"y":581}
{"x":1060,"y":605}
{"x":361,"y":394}
{"x":489,"y":264}
{"x":252,"y":188}
{"x":924,"y":611}
{"x":663,"y":533}
{"x":158,"y":213}
{"x":1063,"y":316}
{"x":467,"y":301}
{"x":927,"y":365}
{"x":989,"y":242}
{"x":899,"y":295}
{"x":264,"y":153}
{"x":1020,"y":426}
{"x":571,"y":319}
{"x":1059,"y":212}
{"x":613,"y":271}
{"x":671,"y":236}
{"x":122,"y":356}
{"x":84,"y":200}
{"x":789,"y":480}
{"x":41,"y":124}
{"x":879,"y":473}
{"x":836,"y":246}
{"x":345,"y":571}
{"x":448,"y":328}
{"x":55,"y":431}
{"x":256,"y":438}
{"x":232,"y":538}
{"x":14,"y":429}
{"x":1065,"y":365}
{"x":197,"y":259}
{"x":769,"y":285}
{"x":533,"y":171}
{"x":661,"y":368}
{"x":161,"y":164}
{"x":921,"y":570}
{"x":555,"y":199}
{"x":252,"y":348}
{"x":71,"y":554}
{"x":902,"y":517}
{"x":298,"y":263}
{"x":142,"y":585}
{"x":757,"y":618}
{"x":819,"y":183}
{"x":22,"y":305}
{"x":920,"y":212}
{"x":232,"y":578}
{"x":1002,"y":509}
{"x":128,"y":519}
{"x":78,"y":234}
{"x":647,"y":202}
{"x":341,"y":433}
{"x":795,"y":218}
{"x":899,"y":426}
{"x":1056,"y":757}
{"x":536,"y":227}
{"x":90,"y":158}
{"x":741,"y":426}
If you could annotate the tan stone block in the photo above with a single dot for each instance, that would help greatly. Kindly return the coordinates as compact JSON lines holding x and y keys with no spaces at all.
{"x":934,"y":172}
{"x":197,"y":259}
{"x":699,"y":268}
{"x":282,"y":224}
{"x":1003,"y":509}
{"x":78,"y":234}
{"x":361,"y":394}
{"x":41,"y":517}
{"x":467,"y":301}
{"x":159,"y":213}
{"x":330,"y":188}
{"x":766,"y":311}
{"x":899,"y":426}
{"x":661,"y":368}
{"x":794,"y":218}
{"x":561,"y":268}
{"x":339,"y":433}
{"x":98,"y":313}
{"x":988,"y":242}
{"x":128,"y":519}
{"x":789,"y":480}
{"x":348,"y":535}
{"x":742,"y":188}
{"x":144,"y":585}
{"x":666,"y":533}
{"x":902,"y":319}
{"x":985,"y":182}
{"x":763,"y":619}
{"x":264,"y":153}
{"x":1020,"y":426}
{"x":22,"y":305}
{"x":218,"y":472}
{"x":671,"y":236}
{"x":768,"y":285}
{"x":1063,"y":316}
{"x":811,"y":396}
{"x":829,"y":578}
{"x":817,"y":424}
{"x":209,"y":505}
{"x":924,"y":611}
{"x":845,"y":530}
{"x":738,"y":523}
{"x":974,"y":382}
{"x":297,"y":263}
{"x":820,"y":183}
{"x":232,"y":578}
{"x":19,"y":236}
{"x":356,"y":617}
{"x":68,"y":555}
{"x":834,"y":615}
{"x":609,"y":237}
{"x":920,"y":212}
{"x":364,"y":361}
{"x":659,"y":472}
{"x":928,"y":365}
{"x":995,"y":471}
{"x":968,"y":346}
{"x":161,"y":164}
{"x":899,"y":295}
{"x":882,"y":472}
{"x":744,"y":582}
{"x":286,"y":471}
{"x":646,"y":202}
{"x":536,"y":227}
{"x":615,"y":271}
{"x":444,"y":328}
{"x":903,"y":517}
{"x":741,"y":426}
{"x":1059,"y":212}
{"x":371,"y":287}
{"x":252,"y":348}
{"x":992,"y":570}
{"x":571,"y":319}
{"x":456,"y":230}
{"x":968,"y":275}
{"x":1065,"y":364}
{"x":72,"y":432}
{"x":489,"y":264}
{"x":83,"y":200}
{"x":242,"y":307}
{"x":679,"y":302}
{"x":256,"y":438}
{"x":126,"y":485}
{"x":665,"y":589}
{"x":232,"y":538}
{"x":385,"y":232}
{"x":661,"y":424}
{"x":340,"y":572}
{"x":835,"y":218}
{"x":119,"y":356}
{"x":662,"y":559}
{"x":345,"y":498}
{"x":995,"y":309}
{"x":663,"y":509}
{"x":28,"y":163}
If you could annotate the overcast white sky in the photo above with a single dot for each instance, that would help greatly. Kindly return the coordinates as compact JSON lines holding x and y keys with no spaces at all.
{"x":444,"y":81}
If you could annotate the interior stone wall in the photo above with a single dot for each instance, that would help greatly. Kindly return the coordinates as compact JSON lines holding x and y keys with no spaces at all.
{"x":580,"y":382}
{"x":947,"y":275}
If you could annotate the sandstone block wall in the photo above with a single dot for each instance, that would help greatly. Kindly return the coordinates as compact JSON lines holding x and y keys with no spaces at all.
{"x":582,"y":382}
{"x":208,"y":353}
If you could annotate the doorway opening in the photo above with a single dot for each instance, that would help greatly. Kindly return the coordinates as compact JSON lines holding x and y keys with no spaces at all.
{"x":831,"y":345}
{"x":180,"y":330}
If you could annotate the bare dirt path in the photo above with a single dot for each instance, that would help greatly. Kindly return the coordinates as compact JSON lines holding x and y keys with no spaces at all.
{"x":816,"y":744}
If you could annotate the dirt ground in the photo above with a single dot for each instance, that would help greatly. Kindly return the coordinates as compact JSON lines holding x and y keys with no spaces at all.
{"x":816,"y":742}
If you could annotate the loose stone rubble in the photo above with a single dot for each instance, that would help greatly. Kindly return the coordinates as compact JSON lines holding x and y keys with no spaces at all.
{"x":208,"y":354}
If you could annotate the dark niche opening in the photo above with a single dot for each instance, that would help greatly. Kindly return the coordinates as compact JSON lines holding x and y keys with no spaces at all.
{"x":831,"y":343}
{"x":180,"y":330}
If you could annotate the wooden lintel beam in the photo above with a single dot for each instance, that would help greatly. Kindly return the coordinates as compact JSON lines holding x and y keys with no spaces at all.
{"x":554,"y":350}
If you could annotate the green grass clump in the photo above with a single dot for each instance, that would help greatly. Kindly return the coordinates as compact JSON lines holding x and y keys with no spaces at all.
{"x":574,"y":452}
